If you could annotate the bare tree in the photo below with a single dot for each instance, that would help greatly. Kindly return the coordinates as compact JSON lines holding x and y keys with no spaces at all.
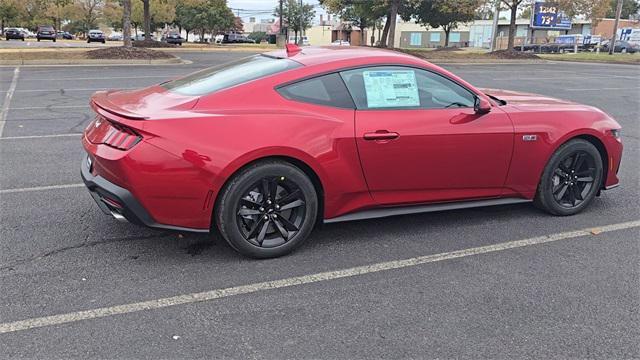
{"x":513,"y":7}
{"x":126,"y":22}
{"x":393,"y":16}
{"x":147,"y":19}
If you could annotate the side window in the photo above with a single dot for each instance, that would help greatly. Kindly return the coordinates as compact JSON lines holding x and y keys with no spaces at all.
{"x":328,"y":90}
{"x":396,"y":87}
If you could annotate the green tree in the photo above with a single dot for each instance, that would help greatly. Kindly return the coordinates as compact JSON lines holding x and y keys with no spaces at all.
{"x":160,"y":12}
{"x":393,"y":9}
{"x":9,"y":13}
{"x":445,"y":14}
{"x":186,"y":13}
{"x":362,"y":14}
{"x":258,"y":36}
{"x":297,"y":19}
{"x":629,"y":7}
{"x":87,"y":13}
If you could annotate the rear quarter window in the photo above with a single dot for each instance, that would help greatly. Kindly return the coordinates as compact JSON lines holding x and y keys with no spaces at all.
{"x":327,"y":90}
{"x":231,"y":74}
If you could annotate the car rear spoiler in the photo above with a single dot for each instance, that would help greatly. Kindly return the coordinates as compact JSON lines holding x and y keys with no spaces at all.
{"x":100,"y":100}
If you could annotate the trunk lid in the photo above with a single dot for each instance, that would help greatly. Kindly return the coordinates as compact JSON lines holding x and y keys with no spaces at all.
{"x":153,"y":102}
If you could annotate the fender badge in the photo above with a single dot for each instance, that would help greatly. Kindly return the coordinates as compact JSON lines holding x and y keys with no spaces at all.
{"x":529,"y":137}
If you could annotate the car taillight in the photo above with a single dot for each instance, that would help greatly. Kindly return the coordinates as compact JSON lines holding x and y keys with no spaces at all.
{"x":122,"y":138}
{"x":118,"y":136}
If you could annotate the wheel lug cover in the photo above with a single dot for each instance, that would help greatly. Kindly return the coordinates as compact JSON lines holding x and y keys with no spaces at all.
{"x":266,"y":217}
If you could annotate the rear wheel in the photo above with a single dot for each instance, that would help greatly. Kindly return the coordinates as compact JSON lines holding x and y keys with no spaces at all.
{"x":267,"y":210}
{"x":571,"y":179}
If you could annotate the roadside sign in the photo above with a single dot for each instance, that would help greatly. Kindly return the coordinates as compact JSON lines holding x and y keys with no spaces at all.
{"x":547,"y":15}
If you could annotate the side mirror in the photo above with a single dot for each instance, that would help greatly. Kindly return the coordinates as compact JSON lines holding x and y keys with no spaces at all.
{"x":481,"y":106}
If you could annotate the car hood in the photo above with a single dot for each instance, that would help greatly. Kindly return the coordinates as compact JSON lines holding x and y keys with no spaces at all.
{"x":516,"y":98}
{"x":154,"y":102}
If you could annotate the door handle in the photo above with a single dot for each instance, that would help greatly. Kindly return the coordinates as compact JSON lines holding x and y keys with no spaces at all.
{"x":381,"y":135}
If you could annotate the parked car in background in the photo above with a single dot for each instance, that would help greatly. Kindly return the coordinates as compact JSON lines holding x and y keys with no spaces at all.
{"x":621,"y":47}
{"x":340,"y":43}
{"x":141,"y":37}
{"x":115,"y":37}
{"x":294,"y":40}
{"x":46,"y":32}
{"x":233,"y":39}
{"x":65,"y":35}
{"x":27,"y":34}
{"x":13,"y":33}
{"x":95,"y":36}
{"x":172,"y":38}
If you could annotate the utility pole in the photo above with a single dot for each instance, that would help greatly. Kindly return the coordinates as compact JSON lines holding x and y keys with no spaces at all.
{"x":612,"y":43}
{"x":494,"y":28}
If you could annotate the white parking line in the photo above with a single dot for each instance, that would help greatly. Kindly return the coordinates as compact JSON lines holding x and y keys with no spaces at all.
{"x":164,"y":76}
{"x":603,"y":88}
{"x":40,"y":188}
{"x":51,"y":107}
{"x":7,"y":99}
{"x":53,"y":90}
{"x":296,"y":281}
{"x":40,"y":136}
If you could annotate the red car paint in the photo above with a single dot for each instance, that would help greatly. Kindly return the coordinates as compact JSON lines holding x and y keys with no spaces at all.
{"x":192,"y":145}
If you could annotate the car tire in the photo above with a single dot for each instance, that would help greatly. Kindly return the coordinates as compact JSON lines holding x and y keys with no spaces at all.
{"x":571,"y":179}
{"x":54,"y":40}
{"x":38,"y":39}
{"x":267,"y":210}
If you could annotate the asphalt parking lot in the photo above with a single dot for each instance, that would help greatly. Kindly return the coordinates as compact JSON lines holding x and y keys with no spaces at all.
{"x":558,"y":294}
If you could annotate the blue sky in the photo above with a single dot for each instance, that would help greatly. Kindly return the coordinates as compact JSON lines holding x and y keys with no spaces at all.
{"x":262,"y":5}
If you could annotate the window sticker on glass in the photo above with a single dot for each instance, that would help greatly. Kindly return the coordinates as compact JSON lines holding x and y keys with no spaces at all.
{"x":391,"y":88}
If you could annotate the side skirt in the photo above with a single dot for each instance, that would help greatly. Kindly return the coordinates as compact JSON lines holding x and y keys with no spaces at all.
{"x":416,"y":209}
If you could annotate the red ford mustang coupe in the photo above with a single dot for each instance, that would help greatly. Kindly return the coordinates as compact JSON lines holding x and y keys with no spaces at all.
{"x":265,"y":148}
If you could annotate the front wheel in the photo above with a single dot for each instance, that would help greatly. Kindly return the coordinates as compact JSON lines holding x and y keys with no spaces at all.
{"x":267,"y":210}
{"x":571,"y":179}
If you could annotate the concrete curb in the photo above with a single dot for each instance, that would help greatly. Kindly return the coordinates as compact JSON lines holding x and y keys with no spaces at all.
{"x":93,"y":62}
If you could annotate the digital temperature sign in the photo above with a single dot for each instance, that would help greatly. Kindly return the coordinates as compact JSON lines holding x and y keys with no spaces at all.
{"x":548,"y":16}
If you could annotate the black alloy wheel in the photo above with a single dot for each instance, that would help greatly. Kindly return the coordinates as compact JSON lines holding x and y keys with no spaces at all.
{"x":271,"y":212}
{"x":571,"y":179}
{"x":267,"y":209}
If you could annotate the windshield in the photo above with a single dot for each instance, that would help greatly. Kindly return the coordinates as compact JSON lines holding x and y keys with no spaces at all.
{"x":227,"y":75}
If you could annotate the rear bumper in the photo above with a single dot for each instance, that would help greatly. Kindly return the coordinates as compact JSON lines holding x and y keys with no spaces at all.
{"x":119,"y":202}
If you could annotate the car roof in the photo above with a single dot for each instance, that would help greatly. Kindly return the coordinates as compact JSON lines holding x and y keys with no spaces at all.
{"x":314,"y":55}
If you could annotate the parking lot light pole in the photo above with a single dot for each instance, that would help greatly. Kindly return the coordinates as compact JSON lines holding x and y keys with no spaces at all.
{"x":612,"y":43}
